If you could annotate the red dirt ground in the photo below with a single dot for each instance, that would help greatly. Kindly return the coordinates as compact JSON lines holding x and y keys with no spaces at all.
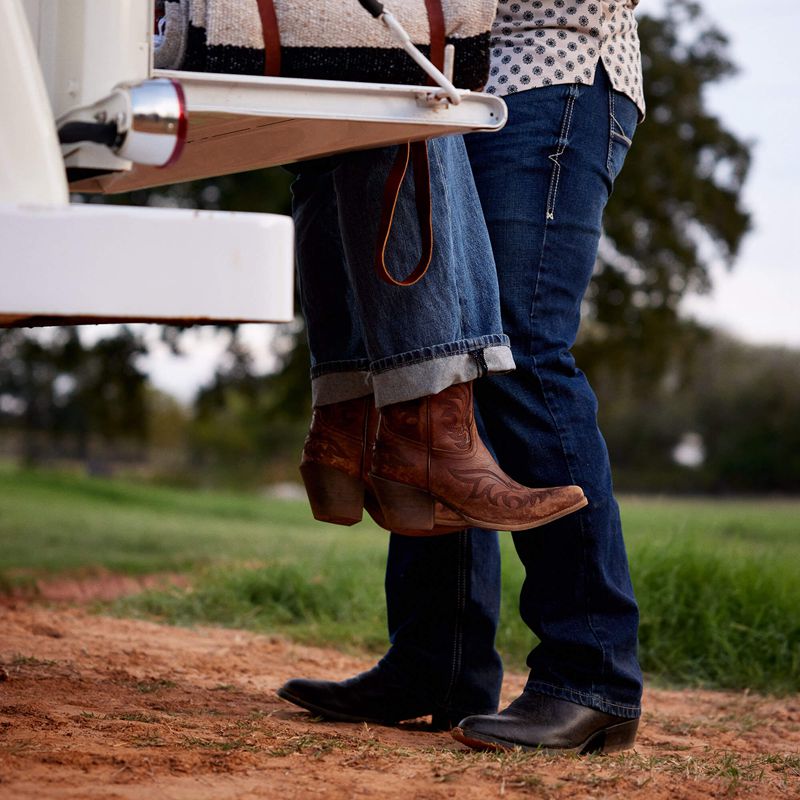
{"x":95,"y":707}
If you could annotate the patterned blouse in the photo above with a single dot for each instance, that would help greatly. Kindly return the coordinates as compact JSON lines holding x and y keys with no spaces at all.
{"x":546,"y":42}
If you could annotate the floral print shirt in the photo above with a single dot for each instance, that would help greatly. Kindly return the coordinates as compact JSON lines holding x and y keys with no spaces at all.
{"x":547,"y":42}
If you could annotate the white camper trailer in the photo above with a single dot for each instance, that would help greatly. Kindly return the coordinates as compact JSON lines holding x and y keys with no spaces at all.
{"x":69,"y":64}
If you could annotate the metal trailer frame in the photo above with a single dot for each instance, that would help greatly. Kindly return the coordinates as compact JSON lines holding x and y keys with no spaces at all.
{"x":64,"y":263}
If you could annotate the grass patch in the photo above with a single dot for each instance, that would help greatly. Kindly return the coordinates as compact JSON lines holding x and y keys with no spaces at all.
{"x":20,"y":660}
{"x":54,"y":522}
{"x":137,"y":716}
{"x":331,"y":599}
{"x":718,"y":581}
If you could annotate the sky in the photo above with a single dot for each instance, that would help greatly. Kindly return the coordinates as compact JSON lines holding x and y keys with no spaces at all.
{"x":759,"y":299}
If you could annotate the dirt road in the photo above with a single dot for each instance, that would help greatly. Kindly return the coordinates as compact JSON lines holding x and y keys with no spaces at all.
{"x":94,"y":707}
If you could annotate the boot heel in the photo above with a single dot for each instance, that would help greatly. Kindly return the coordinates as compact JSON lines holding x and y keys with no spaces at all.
{"x":621,"y":737}
{"x":404,"y":507}
{"x":334,"y":496}
{"x":613,"y":739}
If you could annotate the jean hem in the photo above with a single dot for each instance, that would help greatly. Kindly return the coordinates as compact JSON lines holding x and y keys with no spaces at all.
{"x":434,"y":375}
{"x":336,"y":387}
{"x":439,"y":704}
{"x":436,"y":351}
{"x":587,"y":699}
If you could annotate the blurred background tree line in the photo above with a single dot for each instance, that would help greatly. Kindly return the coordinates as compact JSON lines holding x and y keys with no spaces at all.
{"x":683,"y":408}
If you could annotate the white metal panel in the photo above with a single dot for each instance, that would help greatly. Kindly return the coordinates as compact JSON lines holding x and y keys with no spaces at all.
{"x":32,"y":10}
{"x":31,"y":167}
{"x":238,"y":123}
{"x":112,"y":263}
{"x":87,"y":47}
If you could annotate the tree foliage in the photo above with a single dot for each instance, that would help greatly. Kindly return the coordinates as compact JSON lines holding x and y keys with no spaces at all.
{"x":676,"y":209}
{"x":60,"y":392}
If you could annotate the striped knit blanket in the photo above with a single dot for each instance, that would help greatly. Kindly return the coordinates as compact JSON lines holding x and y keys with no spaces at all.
{"x":320,"y":39}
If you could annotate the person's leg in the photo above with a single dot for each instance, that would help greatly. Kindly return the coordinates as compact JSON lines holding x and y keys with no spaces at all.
{"x":443,"y":592}
{"x":443,"y":603}
{"x":544,"y":182}
{"x":339,"y":361}
{"x":408,"y":341}
{"x":426,"y":343}
{"x":446,"y":329}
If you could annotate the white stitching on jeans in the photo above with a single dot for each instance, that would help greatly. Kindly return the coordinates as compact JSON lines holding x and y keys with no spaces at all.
{"x":620,"y":133}
{"x":611,"y":121}
{"x":615,"y":131}
{"x":562,"y":146}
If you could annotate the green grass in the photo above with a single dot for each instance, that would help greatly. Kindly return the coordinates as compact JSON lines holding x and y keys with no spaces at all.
{"x":718,"y":581}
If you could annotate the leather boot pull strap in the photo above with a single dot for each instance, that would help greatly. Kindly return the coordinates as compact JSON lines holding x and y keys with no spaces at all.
{"x":418,"y":153}
{"x":272,"y":38}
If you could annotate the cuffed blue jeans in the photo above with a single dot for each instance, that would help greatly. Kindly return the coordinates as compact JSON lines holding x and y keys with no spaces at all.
{"x":544,"y":182}
{"x":366,"y":336}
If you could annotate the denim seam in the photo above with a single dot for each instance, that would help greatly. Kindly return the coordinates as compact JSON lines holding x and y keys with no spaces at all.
{"x":458,"y":628}
{"x":579,"y":516}
{"x":563,"y":691}
{"x":332,"y":367}
{"x":566,"y":125}
{"x":548,"y":403}
{"x":449,"y":218}
{"x":615,"y":133}
{"x":611,"y":120}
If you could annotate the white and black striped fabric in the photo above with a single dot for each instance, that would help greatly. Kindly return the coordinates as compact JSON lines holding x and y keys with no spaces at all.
{"x":321,"y":39}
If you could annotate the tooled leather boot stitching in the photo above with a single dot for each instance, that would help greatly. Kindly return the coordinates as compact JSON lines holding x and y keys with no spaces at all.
{"x":335,"y":466}
{"x":429,"y":450}
{"x":333,"y":460}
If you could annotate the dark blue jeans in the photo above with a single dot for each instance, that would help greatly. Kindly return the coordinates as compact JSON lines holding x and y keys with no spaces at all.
{"x":543,"y":182}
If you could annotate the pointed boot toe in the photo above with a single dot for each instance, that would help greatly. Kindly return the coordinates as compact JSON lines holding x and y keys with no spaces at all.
{"x":373,"y":697}
{"x":539,"y":722}
{"x":428,"y":451}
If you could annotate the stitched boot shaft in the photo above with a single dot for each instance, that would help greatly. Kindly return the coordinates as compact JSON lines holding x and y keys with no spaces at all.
{"x":429,"y":450}
{"x":338,"y":433}
{"x":336,"y":462}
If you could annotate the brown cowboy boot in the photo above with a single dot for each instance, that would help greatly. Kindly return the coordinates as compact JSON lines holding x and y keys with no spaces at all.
{"x":335,"y":465}
{"x":332,"y":464}
{"x":428,"y":451}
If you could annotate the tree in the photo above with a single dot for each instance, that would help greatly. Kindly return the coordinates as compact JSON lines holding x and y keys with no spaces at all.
{"x":248,"y":428}
{"x":65,"y":395}
{"x":746,"y":412}
{"x":676,"y":209}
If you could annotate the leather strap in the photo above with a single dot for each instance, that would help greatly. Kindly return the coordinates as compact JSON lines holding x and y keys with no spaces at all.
{"x":436,"y":25}
{"x":272,"y":38}
{"x":418,"y":154}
